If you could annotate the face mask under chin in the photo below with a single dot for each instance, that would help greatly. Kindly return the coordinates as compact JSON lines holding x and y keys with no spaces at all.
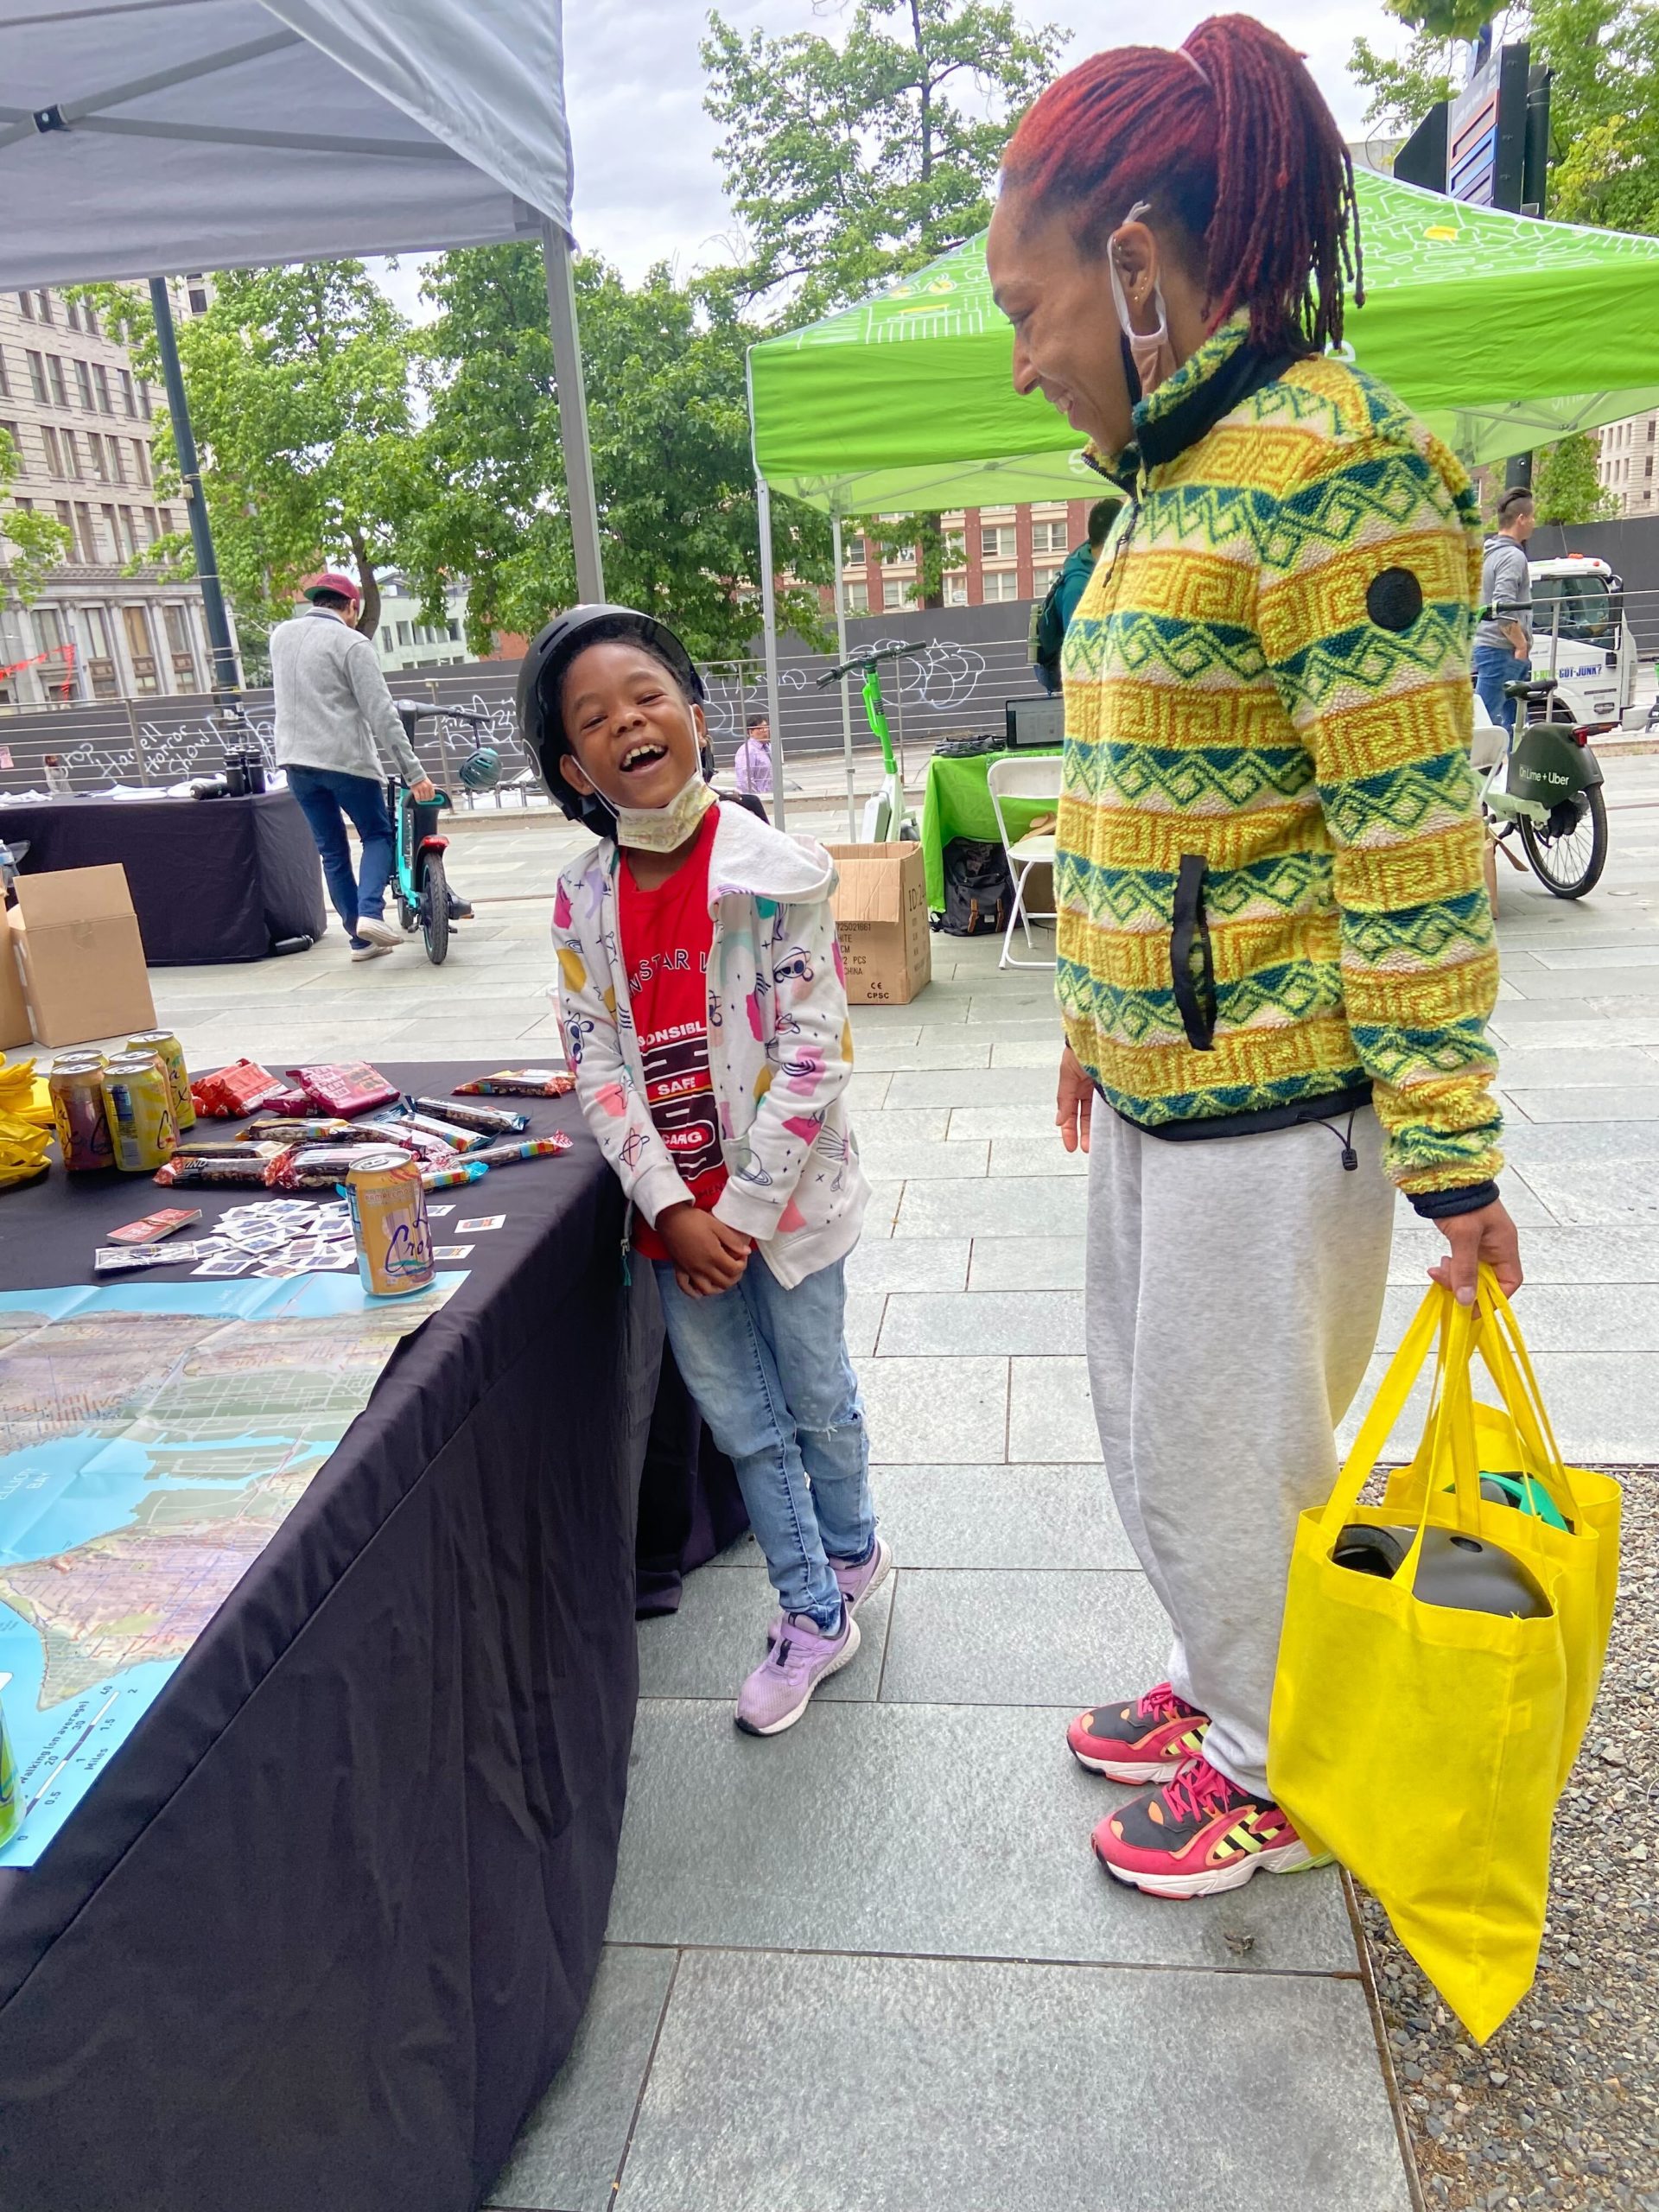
{"x":664,"y":828}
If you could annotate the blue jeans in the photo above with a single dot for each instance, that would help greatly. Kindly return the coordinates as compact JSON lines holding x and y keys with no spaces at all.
{"x":1495,"y":666}
{"x":768,"y":1368}
{"x":328,"y":800}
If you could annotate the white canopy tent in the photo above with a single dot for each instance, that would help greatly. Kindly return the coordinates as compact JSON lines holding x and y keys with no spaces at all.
{"x":144,"y":137}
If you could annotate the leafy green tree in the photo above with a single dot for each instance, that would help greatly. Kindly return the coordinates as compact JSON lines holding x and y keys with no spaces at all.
{"x":1603,"y":56}
{"x":1403,"y":87}
{"x":923,"y":538}
{"x":31,"y":544}
{"x":1564,"y":484}
{"x":668,"y":421}
{"x":849,"y":165}
{"x":300,"y":382}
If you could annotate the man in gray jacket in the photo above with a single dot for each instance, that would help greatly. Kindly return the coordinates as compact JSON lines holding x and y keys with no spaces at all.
{"x":1504,"y":641}
{"x":338,"y":737}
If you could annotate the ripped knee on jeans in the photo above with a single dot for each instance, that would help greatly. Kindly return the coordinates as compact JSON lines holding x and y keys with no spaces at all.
{"x":829,"y":1432}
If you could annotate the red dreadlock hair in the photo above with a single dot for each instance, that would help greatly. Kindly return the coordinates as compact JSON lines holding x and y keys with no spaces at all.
{"x":1228,"y":138}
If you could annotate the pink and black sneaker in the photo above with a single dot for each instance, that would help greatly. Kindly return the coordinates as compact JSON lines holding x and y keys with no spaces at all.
{"x":1198,"y":1835}
{"x":1143,"y":1741}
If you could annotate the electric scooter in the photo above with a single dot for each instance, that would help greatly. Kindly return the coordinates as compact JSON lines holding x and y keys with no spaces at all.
{"x":886,"y":819}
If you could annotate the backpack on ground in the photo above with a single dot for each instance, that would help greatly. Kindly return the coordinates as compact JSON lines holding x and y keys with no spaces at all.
{"x":978,"y":889}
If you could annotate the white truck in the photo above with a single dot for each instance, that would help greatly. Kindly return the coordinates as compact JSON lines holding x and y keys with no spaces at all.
{"x":1581,"y":637}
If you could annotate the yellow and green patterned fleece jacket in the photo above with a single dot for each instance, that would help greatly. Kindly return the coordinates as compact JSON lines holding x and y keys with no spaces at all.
{"x":1270,"y":882}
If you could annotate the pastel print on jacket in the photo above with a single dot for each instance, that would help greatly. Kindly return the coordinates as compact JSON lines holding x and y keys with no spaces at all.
{"x":780,"y":1046}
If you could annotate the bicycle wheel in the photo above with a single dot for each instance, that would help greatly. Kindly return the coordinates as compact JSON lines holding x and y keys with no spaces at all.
{"x":435,"y":910}
{"x":1569,"y":851}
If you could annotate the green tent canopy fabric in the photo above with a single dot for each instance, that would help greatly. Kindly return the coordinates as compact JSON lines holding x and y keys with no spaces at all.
{"x":1504,"y":332}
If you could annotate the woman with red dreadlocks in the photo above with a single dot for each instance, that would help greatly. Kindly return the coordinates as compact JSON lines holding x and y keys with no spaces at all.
{"x":1276,"y":959}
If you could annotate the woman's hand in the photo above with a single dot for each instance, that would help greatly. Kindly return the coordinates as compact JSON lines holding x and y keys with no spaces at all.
{"x":707,"y":1256}
{"x":1074,"y":1103}
{"x":1486,"y":1236}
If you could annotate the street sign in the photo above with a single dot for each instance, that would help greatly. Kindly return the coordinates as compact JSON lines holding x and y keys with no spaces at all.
{"x":1486,"y":132}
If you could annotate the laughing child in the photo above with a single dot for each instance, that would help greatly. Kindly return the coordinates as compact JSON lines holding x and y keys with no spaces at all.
{"x":704,"y":1012}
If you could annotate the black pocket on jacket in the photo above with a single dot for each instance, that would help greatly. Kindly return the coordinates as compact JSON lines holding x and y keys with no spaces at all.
{"x":1190,"y":931}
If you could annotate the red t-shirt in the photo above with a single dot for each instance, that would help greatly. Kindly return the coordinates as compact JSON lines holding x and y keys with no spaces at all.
{"x":667,"y":935}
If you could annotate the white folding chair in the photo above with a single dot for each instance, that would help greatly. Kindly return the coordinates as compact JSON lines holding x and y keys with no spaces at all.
{"x":1027,"y":775}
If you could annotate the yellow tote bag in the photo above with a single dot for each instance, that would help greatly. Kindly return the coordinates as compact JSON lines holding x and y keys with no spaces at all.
{"x":1424,"y":1743}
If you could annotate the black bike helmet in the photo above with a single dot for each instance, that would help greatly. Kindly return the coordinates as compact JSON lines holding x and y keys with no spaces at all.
{"x":540,"y":723}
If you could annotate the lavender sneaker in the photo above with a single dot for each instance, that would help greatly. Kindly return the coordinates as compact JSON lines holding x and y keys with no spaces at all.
{"x":857,"y":1582}
{"x":779,"y":1690}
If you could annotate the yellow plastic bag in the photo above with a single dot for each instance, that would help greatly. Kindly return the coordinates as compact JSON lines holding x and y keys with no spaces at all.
{"x":1426,"y":1746}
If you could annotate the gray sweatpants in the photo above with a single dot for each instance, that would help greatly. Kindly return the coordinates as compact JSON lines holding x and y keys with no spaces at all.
{"x":1235,"y":1287}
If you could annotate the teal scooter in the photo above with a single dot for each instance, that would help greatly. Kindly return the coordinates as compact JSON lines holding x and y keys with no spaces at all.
{"x":424,"y":899}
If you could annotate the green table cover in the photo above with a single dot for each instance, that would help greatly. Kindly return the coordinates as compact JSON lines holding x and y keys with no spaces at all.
{"x":957,"y":804}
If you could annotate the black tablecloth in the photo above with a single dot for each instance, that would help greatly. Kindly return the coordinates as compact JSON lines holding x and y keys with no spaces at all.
{"x":212,"y":880}
{"x":322,"y":1932}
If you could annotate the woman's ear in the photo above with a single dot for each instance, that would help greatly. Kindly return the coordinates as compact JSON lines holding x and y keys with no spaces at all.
{"x":574,"y":774}
{"x":1135,"y":256}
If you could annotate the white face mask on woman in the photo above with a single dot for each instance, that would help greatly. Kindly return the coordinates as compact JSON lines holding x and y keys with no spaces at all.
{"x":663,"y":828}
{"x":1149,"y":352}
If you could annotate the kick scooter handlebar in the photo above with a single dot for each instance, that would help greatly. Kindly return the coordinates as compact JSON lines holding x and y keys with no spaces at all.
{"x":861,"y":661}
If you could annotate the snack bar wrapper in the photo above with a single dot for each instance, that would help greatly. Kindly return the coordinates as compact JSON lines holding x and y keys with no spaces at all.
{"x":451,"y":1133}
{"x":247,"y":1163}
{"x":518,"y":1082}
{"x":490,"y":1120}
{"x":230,"y":1092}
{"x":312,"y":1166}
{"x":348,"y":1087}
{"x":502,"y":1155}
{"x":284,"y":1128}
{"x":408,"y":1136}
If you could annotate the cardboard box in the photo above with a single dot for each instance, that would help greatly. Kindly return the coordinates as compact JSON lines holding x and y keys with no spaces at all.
{"x":13,"y":1012}
{"x":881,"y":916}
{"x":76,"y":940}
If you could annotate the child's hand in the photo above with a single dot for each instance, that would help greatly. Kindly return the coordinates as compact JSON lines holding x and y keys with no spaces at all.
{"x":707,"y":1256}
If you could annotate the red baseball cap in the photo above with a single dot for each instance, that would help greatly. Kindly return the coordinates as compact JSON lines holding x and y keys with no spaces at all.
{"x":332,"y":580}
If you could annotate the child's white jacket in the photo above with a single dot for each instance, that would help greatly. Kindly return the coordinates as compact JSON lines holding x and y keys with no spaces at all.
{"x":780,"y":1046}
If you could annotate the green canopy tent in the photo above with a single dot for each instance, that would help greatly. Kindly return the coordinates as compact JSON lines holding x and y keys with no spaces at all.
{"x":1504,"y":332}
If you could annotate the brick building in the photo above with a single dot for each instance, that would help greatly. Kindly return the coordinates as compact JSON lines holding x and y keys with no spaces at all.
{"x":1000,"y":553}
{"x":104,"y":625}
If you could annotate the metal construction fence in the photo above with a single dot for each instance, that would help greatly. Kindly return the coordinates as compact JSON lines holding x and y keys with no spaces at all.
{"x":942,"y":687}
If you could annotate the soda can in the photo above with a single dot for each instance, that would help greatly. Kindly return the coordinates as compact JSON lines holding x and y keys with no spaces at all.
{"x":394,"y":1241}
{"x":138,"y":1107}
{"x":11,"y":1799}
{"x":168,"y":1051}
{"x":77,"y":1094}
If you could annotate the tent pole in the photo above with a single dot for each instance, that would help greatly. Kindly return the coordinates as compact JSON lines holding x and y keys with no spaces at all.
{"x":769,"y":626}
{"x":846,"y":695}
{"x":573,"y":413}
{"x":227,"y":679}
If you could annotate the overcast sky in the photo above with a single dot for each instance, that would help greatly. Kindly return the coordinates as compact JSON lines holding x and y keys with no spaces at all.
{"x":647,"y":182}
